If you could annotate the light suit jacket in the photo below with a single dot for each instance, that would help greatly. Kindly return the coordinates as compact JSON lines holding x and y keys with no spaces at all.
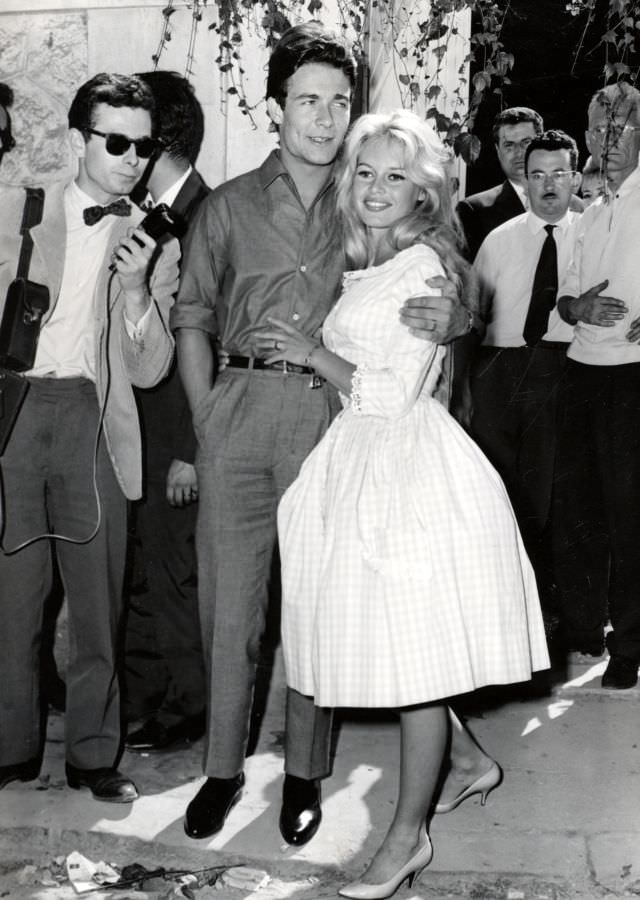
{"x":120,"y":361}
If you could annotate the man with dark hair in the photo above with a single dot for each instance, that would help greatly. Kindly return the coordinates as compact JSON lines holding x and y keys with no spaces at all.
{"x":601,"y":440}
{"x":178,"y":116}
{"x":7,"y":141}
{"x":264,"y":244}
{"x":513,"y":131}
{"x":165,"y":518}
{"x":517,"y":372}
{"x":73,"y":457}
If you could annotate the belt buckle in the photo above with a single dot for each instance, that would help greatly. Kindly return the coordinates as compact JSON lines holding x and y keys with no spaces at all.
{"x":315,"y":382}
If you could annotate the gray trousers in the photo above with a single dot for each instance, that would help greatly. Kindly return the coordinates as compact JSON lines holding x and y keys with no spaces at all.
{"x":254,"y":431}
{"x":48,"y":486}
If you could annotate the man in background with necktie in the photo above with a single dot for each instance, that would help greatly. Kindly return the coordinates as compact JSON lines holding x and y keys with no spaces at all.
{"x":517,"y":372}
{"x":601,"y":440}
{"x":73,"y":457}
{"x":164,"y":666}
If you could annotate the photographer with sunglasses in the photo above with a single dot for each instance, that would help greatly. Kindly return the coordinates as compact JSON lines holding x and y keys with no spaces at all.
{"x":73,"y":458}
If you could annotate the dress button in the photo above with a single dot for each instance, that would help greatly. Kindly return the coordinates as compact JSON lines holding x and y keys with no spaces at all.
{"x":295,"y":317}
{"x":303,"y":268}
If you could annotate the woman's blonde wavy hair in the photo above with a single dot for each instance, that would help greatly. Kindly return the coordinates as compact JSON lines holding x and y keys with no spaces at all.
{"x":426,"y":163}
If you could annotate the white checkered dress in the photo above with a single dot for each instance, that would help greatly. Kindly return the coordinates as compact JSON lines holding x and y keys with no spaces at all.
{"x":404,"y":575}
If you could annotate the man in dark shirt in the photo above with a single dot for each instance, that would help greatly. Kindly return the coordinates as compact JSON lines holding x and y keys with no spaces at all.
{"x":163,"y":622}
{"x":513,"y":131}
{"x":264,"y":244}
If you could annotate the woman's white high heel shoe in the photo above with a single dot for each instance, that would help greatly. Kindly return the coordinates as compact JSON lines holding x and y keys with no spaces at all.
{"x":359,"y":890}
{"x":483,"y":786}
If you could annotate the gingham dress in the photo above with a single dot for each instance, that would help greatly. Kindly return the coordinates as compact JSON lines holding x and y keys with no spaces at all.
{"x":404,"y":575}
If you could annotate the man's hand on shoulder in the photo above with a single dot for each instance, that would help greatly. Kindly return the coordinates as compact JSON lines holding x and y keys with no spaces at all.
{"x":438,"y":316}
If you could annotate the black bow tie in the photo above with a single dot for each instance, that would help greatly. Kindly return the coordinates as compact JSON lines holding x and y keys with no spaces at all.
{"x":93,"y":214}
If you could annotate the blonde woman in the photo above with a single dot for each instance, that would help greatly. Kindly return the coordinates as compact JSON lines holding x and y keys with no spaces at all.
{"x":405,"y":581}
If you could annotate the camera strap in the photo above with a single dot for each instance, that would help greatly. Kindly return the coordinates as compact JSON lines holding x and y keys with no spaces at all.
{"x":31,"y":216}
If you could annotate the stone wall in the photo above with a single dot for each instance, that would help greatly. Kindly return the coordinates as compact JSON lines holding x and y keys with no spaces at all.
{"x":49,"y":47}
{"x":45,"y":54}
{"x":43,"y":58}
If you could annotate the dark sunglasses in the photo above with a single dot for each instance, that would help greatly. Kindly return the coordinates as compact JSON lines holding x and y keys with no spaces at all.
{"x":118,"y":144}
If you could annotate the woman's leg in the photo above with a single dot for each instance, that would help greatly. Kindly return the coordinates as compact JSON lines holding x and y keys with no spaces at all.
{"x":424,"y":733}
{"x":466,"y":763}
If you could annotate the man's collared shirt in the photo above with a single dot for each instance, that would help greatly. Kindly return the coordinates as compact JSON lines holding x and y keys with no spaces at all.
{"x":66,"y":344}
{"x":607,"y":248}
{"x":171,"y":193}
{"x":254,"y":251}
{"x":506,"y":265}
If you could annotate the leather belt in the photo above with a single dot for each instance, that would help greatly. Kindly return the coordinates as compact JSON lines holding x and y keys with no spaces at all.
{"x":255,"y":362}
{"x":541,"y":345}
{"x":552,"y":345}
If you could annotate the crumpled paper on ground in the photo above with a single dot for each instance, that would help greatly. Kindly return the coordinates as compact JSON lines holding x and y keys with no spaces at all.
{"x":86,"y":875}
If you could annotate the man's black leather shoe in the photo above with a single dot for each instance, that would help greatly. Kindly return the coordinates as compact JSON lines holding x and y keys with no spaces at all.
{"x":155,"y":736}
{"x":207,"y":812}
{"x":26,"y":771}
{"x":300,"y":815}
{"x":621,"y":673}
{"x":105,"y":784}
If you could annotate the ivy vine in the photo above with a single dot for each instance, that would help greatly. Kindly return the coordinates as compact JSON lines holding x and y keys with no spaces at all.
{"x":620,"y":40}
{"x":419,"y":40}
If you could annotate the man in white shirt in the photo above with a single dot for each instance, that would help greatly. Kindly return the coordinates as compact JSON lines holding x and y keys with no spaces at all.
{"x":599,"y":296}
{"x":517,"y":373}
{"x":73,"y":457}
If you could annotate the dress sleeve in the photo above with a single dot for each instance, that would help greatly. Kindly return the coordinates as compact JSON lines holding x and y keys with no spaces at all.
{"x":389,"y":385}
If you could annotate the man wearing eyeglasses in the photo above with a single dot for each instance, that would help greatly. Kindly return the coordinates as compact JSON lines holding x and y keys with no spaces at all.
{"x":601,"y":488}
{"x":73,"y":457}
{"x":513,"y":131}
{"x":516,"y":374}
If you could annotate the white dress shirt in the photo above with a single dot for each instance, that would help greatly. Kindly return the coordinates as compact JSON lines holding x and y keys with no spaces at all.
{"x":607,"y":248}
{"x":171,"y":193}
{"x":506,"y":265}
{"x":66,"y":345}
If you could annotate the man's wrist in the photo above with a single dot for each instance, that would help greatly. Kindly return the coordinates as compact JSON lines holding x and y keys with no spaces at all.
{"x":136,"y":304}
{"x":567,"y":309}
{"x":474,"y":324}
{"x":308,"y":360}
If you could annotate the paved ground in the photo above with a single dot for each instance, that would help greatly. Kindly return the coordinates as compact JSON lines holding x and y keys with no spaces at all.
{"x":565,"y":823}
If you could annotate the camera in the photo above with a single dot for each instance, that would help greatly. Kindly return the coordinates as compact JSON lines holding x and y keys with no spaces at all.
{"x":163,"y":220}
{"x":26,"y":304}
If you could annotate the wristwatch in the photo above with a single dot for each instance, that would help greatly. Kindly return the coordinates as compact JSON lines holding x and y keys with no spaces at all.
{"x":471,"y":323}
